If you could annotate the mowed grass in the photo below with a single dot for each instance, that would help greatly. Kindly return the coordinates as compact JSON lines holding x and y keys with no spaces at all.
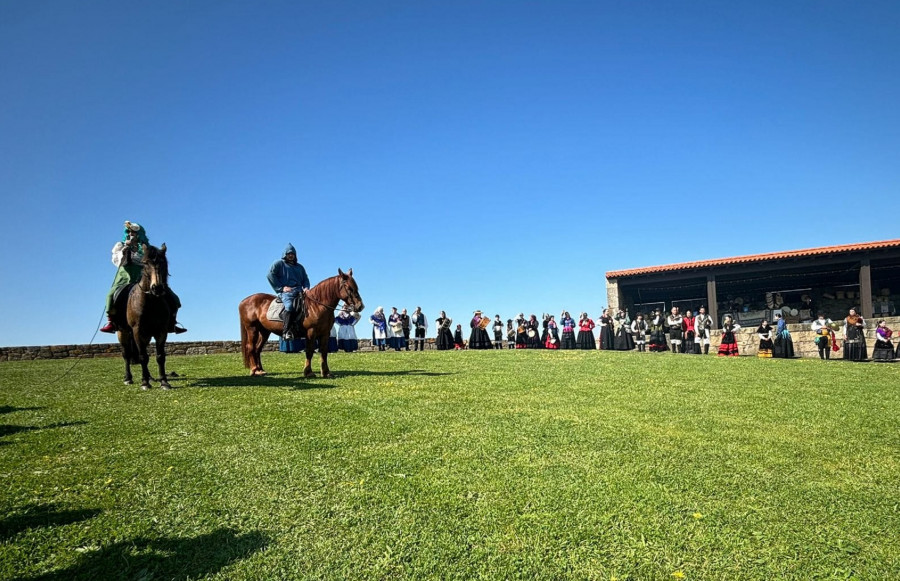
{"x":453,"y":465}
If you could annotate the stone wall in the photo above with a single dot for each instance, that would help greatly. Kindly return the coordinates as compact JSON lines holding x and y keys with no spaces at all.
{"x":172,"y":348}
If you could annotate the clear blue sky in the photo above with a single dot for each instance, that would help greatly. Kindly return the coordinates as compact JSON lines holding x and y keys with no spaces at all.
{"x":457,"y":155}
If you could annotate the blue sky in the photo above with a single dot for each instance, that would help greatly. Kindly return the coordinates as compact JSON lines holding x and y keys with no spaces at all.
{"x":468,"y":155}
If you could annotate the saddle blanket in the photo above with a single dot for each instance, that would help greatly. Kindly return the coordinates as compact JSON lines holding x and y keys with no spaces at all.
{"x":276,"y":311}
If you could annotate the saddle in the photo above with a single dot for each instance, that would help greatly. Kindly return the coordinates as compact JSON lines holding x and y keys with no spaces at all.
{"x":276,"y":310}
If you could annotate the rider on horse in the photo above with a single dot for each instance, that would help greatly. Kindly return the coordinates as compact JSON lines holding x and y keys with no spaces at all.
{"x":128,"y":257}
{"x":289,"y":281}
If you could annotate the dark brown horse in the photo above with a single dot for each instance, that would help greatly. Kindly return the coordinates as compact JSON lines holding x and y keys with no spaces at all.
{"x":321,"y":301}
{"x":146,"y":317}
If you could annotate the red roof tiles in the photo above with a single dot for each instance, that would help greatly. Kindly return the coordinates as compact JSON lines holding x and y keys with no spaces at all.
{"x":753,"y":258}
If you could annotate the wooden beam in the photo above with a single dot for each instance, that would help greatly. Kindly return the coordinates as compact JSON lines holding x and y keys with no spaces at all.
{"x":712,"y":306}
{"x":865,"y":289}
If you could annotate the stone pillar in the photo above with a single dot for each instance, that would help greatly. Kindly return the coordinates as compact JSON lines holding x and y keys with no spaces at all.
{"x":865,"y":289}
{"x":712,"y":305}
{"x":612,"y":294}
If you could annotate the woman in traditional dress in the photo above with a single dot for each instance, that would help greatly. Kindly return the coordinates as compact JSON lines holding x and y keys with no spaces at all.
{"x":607,"y":332}
{"x":379,"y":328}
{"x":884,"y":347}
{"x":688,"y":333}
{"x":346,"y":322}
{"x":545,"y":321}
{"x":639,"y":332}
{"x":784,"y":344}
{"x":825,"y":340}
{"x":552,"y":341}
{"x":765,"y":340}
{"x":568,"y":331}
{"x":479,"y":338}
{"x":623,"y":340}
{"x":521,"y":336}
{"x":729,"y":346}
{"x":586,"y":332}
{"x":510,"y":334}
{"x":657,"y":327}
{"x":458,"y":338}
{"x":396,"y":338}
{"x":444,"y":340}
{"x":532,"y":333}
{"x":673,"y":325}
{"x":855,"y":337}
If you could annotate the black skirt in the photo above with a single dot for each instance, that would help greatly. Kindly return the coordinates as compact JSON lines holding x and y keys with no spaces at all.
{"x":883,"y":351}
{"x":855,"y":346}
{"x":568,"y":340}
{"x":586,"y":340}
{"x":624,"y":341}
{"x":444,"y":339}
{"x":607,"y":342}
{"x":479,"y":339}
{"x":784,"y":346}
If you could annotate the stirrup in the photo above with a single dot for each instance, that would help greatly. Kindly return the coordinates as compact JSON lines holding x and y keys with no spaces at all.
{"x":177,"y":329}
{"x":109,"y":327}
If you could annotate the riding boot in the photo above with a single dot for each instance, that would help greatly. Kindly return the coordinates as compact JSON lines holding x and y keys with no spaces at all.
{"x":175,"y":326}
{"x":706,"y":349}
{"x":287,"y":333}
{"x":109,"y":327}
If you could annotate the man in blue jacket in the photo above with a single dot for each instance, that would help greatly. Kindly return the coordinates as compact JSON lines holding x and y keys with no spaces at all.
{"x":289,"y":281}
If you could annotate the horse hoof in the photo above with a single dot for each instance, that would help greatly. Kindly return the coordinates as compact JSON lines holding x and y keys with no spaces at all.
{"x":145,"y":387}
{"x":165,"y":385}
{"x":128,"y":382}
{"x":328,"y":376}
{"x":257,"y":373}
{"x":309,"y":375}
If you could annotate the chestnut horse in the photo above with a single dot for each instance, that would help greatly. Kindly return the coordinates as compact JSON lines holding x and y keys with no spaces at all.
{"x":321,"y":301}
{"x":146,"y":317}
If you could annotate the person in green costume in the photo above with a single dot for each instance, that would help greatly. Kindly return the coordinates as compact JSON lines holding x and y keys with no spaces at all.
{"x":128,"y":257}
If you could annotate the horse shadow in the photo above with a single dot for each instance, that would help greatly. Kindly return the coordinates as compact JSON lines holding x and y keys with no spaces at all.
{"x":10,"y":430}
{"x":279,"y":380}
{"x":364,"y":373}
{"x":179,"y":558}
{"x":8,"y":409}
{"x":34,"y":516}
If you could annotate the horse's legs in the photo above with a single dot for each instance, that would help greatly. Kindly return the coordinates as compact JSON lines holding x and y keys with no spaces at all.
{"x":127,"y":354}
{"x":144,"y":357}
{"x":161,"y":360}
{"x":310,"y":348}
{"x":323,"y":353}
{"x":258,"y":341}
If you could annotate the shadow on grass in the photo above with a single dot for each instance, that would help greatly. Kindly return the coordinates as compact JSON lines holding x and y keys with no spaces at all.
{"x":42,"y":515}
{"x":362,"y":372}
{"x":9,"y":430}
{"x":165,"y":558}
{"x":8,"y":409}
{"x":291,"y":381}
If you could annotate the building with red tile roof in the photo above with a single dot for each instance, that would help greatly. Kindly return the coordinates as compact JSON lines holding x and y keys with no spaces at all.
{"x":829,"y":278}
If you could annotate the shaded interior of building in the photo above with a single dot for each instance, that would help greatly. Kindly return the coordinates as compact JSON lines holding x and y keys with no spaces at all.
{"x":799,"y":288}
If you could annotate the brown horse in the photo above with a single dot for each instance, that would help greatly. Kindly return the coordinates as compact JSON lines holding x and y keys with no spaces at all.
{"x":146,"y":317}
{"x":321,"y":301}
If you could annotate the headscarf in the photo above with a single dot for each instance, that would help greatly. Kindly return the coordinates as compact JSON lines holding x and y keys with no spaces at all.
{"x":137,"y":228}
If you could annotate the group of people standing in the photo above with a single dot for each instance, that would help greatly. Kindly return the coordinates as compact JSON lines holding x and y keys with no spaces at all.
{"x":853,"y":328}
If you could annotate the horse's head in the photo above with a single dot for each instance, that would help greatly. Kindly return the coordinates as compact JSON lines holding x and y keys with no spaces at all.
{"x":349,"y":292}
{"x":156,"y":269}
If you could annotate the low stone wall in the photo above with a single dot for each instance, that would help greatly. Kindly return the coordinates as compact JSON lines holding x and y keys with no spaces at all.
{"x":172,"y":348}
{"x":748,"y":344}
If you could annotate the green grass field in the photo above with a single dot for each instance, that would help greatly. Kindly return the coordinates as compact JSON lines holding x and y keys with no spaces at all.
{"x":453,"y":465}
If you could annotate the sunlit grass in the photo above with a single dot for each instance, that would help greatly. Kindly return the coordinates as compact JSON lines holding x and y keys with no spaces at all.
{"x":493,"y":465}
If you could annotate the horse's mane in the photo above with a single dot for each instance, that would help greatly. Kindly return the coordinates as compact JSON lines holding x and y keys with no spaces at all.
{"x":323,"y":286}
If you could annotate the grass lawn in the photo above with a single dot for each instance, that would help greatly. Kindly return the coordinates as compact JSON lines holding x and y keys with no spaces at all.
{"x":453,"y":465}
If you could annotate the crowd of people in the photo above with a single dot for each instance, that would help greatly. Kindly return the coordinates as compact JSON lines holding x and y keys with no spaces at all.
{"x":678,"y":332}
